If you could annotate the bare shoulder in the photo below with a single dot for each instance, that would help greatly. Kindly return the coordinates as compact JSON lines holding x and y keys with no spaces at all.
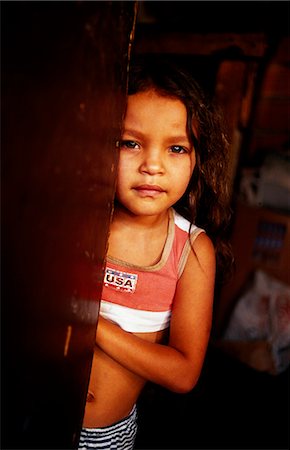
{"x":202,"y":253}
{"x":198,"y":278}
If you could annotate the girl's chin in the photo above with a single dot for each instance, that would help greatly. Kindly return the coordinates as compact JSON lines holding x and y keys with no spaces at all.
{"x":146,"y":206}
{"x":144,"y":211}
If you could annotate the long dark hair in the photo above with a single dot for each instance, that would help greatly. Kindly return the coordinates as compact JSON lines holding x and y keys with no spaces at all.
{"x":206,"y":201}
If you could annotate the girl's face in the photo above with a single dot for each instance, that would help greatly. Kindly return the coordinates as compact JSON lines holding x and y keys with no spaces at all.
{"x":156,"y":157}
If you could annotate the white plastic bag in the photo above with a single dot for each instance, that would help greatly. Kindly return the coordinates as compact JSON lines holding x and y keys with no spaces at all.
{"x":263,"y":312}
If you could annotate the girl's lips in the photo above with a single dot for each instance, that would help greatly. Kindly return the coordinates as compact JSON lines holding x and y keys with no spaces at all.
{"x":147,"y":190}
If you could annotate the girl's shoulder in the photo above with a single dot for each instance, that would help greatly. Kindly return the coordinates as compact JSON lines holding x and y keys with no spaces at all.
{"x":186,"y":226}
{"x":186,"y":235}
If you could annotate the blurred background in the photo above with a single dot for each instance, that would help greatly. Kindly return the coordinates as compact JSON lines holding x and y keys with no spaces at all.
{"x":240,"y":53}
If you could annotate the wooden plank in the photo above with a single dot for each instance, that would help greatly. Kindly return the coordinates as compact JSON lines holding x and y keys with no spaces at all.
{"x":63,"y":87}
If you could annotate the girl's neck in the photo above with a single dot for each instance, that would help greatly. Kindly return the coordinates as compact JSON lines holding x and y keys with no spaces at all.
{"x":137,"y":240}
{"x":124,"y":217}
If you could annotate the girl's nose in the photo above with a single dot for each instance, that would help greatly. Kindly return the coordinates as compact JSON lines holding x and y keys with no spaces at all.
{"x":152,"y":162}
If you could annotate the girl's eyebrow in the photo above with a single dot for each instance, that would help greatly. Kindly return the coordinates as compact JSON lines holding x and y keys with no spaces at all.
{"x":180,"y":138}
{"x":134,"y":133}
{"x":137,"y":134}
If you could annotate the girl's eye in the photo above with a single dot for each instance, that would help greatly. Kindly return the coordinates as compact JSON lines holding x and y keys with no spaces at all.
{"x":178,"y":149}
{"x":129,"y":144}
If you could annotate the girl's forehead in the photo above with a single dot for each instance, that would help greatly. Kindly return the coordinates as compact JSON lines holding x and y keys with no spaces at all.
{"x":152,"y":104}
{"x":154,"y":95}
{"x":152,"y":111}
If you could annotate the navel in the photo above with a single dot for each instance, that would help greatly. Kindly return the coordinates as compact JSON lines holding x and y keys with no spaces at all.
{"x":90,"y":397}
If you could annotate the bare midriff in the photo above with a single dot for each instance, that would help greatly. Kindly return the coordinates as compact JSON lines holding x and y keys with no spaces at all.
{"x":113,"y":390}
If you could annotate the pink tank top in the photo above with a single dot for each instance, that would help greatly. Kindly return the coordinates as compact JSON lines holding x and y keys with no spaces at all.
{"x":140,"y":299}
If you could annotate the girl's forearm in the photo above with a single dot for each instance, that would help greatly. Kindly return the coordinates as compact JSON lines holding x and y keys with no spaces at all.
{"x":161,"y":364}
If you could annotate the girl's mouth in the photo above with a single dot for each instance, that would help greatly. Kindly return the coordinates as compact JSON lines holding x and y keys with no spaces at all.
{"x":148,"y":190}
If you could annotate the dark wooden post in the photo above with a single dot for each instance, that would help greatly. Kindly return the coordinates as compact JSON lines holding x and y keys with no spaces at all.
{"x":64,"y":72}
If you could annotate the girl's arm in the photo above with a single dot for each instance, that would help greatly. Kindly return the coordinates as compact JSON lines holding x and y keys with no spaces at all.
{"x":175,"y":366}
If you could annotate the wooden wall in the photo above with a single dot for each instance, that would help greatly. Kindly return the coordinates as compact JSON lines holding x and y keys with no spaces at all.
{"x":64,"y":73}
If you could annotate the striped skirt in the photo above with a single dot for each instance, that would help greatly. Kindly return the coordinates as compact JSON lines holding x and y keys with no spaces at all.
{"x":119,"y":436}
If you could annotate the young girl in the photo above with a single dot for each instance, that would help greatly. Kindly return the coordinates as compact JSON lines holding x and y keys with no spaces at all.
{"x":165,"y":238}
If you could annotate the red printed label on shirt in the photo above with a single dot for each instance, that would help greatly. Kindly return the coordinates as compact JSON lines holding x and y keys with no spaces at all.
{"x":120,"y":281}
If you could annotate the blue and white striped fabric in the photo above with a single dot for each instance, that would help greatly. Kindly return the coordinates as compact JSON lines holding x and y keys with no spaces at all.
{"x":120,"y":436}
